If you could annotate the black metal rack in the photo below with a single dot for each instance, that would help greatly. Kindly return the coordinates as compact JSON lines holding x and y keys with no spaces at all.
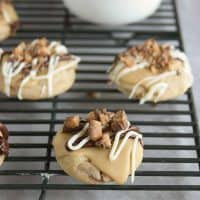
{"x":170,"y":129}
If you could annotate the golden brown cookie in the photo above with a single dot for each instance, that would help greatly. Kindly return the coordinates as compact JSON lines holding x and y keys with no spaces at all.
{"x":4,"y":147}
{"x":151,"y":72}
{"x":9,"y":20}
{"x":37,"y":70}
{"x":102,"y":148}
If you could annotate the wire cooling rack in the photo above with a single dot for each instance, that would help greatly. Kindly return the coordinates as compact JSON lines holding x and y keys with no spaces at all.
{"x":170,"y":129}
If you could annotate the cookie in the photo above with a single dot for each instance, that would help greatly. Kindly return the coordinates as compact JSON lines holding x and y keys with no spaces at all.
{"x":37,"y":70}
{"x":101,"y":148}
{"x":151,"y":72}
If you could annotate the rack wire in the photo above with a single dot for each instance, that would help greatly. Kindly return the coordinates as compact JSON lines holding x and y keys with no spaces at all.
{"x":170,"y":129}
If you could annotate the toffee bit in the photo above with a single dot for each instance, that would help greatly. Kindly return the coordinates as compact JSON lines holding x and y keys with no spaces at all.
{"x":119,"y":121}
{"x":127,"y":60}
{"x":92,"y":116}
{"x":104,"y":116}
{"x":94,"y":95}
{"x":95,"y":130}
{"x":105,"y":141}
{"x":71,"y":123}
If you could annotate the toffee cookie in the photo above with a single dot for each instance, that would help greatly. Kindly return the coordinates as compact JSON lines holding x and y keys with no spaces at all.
{"x":9,"y":20}
{"x":4,"y":147}
{"x":37,"y":70}
{"x":151,"y":72}
{"x":102,"y":148}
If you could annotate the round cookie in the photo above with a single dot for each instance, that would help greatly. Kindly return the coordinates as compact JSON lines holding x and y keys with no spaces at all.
{"x":96,"y":149}
{"x":37,"y":70}
{"x":9,"y":20}
{"x":151,"y":72}
{"x":4,"y":147}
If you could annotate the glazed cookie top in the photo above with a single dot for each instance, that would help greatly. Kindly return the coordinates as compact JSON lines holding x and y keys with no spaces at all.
{"x":36,"y":60}
{"x":105,"y":130}
{"x":100,"y":128}
{"x":4,"y":147}
{"x":151,"y":55}
{"x":158,"y":57}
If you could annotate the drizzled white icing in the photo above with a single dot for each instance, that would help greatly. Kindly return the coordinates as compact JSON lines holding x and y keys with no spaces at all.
{"x":150,"y":80}
{"x":74,"y":138}
{"x":52,"y":63}
{"x":180,"y":55}
{"x":116,"y":148}
{"x":69,"y":65}
{"x":9,"y":70}
{"x":43,"y":90}
{"x":59,"y":48}
{"x":158,"y":89}
{"x":120,"y":70}
{"x":23,"y":83}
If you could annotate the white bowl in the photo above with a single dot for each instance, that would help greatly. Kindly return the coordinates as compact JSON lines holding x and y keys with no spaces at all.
{"x":112,"y":12}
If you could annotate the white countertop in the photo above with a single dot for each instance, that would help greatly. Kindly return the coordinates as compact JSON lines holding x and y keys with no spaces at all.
{"x":190,"y":16}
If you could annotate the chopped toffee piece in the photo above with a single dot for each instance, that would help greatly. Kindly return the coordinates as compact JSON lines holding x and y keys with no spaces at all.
{"x":104,"y":116}
{"x":119,"y":121}
{"x":105,"y":141}
{"x":72,"y":122}
{"x":101,"y":115}
{"x":92,"y":116}
{"x":95,"y":130}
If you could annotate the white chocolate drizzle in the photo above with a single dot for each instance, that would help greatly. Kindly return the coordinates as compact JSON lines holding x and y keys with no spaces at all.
{"x":160,"y":87}
{"x":116,"y":148}
{"x":73,"y":139}
{"x":9,"y":70}
{"x":59,"y":48}
{"x":43,"y":90}
{"x":24,"y":82}
{"x":52,"y":64}
{"x":177,"y":54}
{"x":120,"y":70}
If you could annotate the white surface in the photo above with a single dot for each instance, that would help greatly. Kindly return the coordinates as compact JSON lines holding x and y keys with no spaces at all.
{"x":190,"y":16}
{"x":109,"y":12}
